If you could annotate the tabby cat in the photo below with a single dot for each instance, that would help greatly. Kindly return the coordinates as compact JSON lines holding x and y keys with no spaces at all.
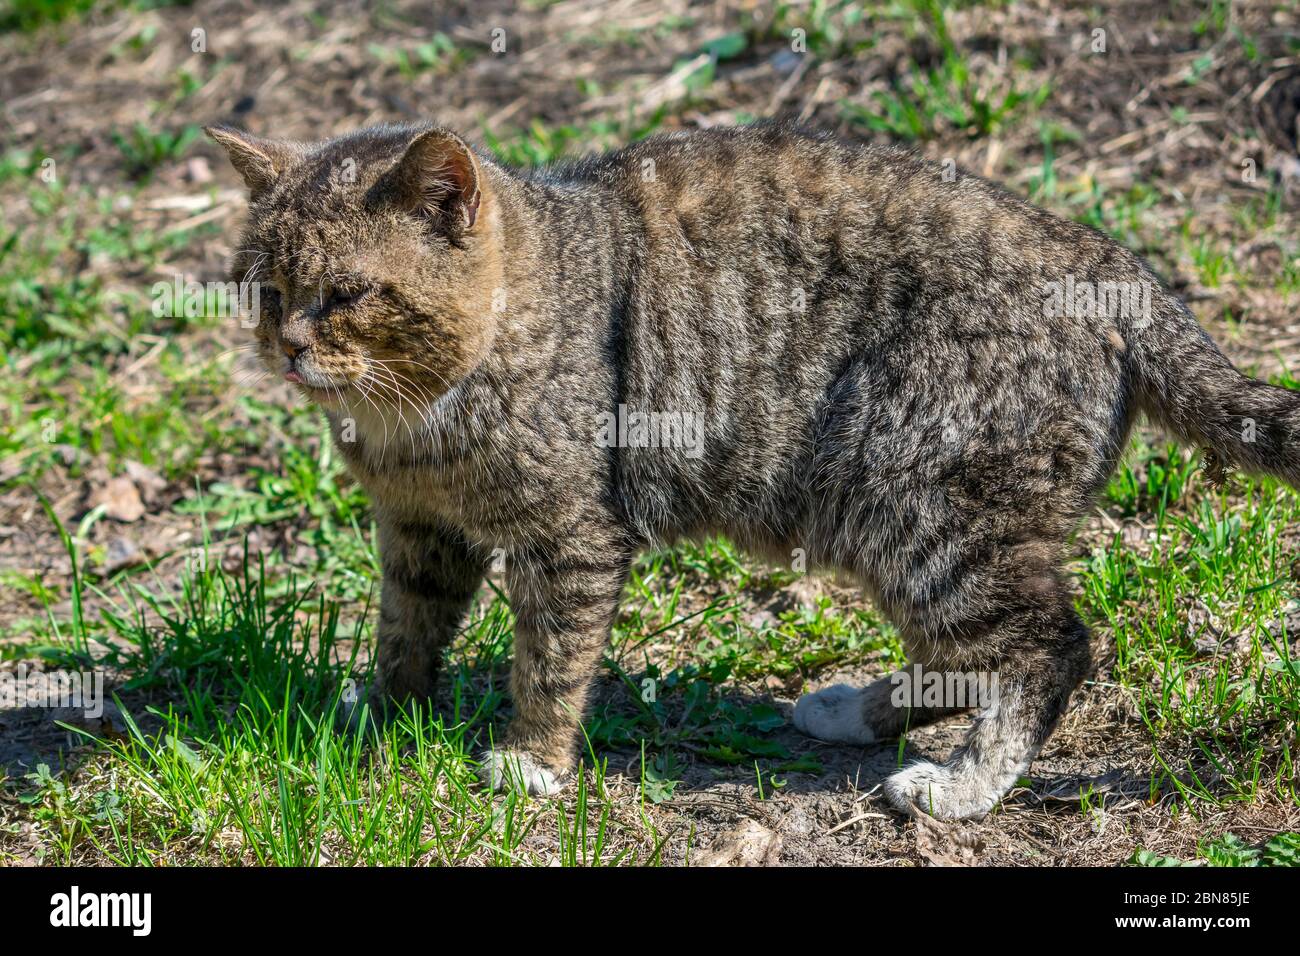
{"x":828,"y":352}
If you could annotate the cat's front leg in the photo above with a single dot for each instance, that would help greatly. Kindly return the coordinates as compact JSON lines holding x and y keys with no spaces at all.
{"x":430,"y":576}
{"x":564,"y":596}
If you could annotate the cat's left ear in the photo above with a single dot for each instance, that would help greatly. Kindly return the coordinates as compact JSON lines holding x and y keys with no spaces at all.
{"x":438,"y":177}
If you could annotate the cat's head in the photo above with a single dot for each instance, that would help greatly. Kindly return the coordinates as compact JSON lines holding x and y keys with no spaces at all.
{"x":375,"y":255}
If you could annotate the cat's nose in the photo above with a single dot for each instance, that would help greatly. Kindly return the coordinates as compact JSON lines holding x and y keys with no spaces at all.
{"x":291,"y":348}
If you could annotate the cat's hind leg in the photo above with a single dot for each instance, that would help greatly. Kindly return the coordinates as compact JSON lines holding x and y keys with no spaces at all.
{"x":1042,"y":657}
{"x":882,"y":710}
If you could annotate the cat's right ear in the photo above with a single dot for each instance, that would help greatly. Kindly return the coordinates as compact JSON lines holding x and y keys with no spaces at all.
{"x":259,"y":161}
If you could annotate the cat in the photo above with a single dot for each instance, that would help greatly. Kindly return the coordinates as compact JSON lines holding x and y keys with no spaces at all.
{"x":916,"y":379}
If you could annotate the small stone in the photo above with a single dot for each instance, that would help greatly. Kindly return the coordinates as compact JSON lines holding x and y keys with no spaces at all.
{"x":121,"y":500}
{"x":121,"y":553}
{"x":149,"y":482}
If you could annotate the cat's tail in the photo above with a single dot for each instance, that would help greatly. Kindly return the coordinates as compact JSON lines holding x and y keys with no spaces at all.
{"x":1187,"y":385}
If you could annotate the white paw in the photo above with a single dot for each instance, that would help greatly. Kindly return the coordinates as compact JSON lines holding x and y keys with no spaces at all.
{"x":834,"y":714}
{"x":941,"y":792}
{"x":517,"y":770}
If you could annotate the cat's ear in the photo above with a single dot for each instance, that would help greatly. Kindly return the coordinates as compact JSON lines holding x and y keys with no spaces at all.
{"x":259,"y":161}
{"x":439,"y":178}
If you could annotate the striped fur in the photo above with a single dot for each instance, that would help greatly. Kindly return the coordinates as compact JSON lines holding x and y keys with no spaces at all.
{"x":865,"y":343}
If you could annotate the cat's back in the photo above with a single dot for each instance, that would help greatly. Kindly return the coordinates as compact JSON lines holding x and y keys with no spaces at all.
{"x":803,"y":192}
{"x":734,"y":178}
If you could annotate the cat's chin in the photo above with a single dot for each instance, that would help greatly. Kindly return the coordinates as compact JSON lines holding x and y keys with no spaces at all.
{"x":332,"y":397}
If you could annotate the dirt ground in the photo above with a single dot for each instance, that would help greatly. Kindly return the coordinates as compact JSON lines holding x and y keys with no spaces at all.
{"x":308,"y":70}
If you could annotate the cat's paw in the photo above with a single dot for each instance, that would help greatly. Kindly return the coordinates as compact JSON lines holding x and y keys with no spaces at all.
{"x":835,"y":714}
{"x":519,"y":770}
{"x":941,"y":791}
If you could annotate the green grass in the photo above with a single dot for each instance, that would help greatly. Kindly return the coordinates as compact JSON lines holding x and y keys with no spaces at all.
{"x":1282,"y":849}
{"x":28,"y":16}
{"x":1218,"y":680}
{"x":249,"y":760}
{"x":540,"y":144}
{"x":68,"y":330}
{"x":145,"y":149}
{"x":827,"y":28}
{"x":931,"y":100}
{"x":438,"y":54}
{"x":248,"y":746}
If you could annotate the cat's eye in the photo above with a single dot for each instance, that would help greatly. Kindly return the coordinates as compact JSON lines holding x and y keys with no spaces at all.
{"x":344,"y":298}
